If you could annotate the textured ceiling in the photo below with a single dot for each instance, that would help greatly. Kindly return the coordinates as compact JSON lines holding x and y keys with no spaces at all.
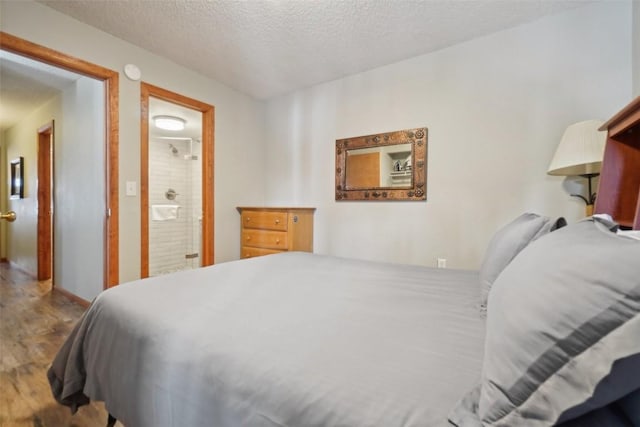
{"x":267,"y":48}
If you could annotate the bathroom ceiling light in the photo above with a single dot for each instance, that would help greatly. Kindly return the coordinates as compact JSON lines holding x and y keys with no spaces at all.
{"x":169,"y":122}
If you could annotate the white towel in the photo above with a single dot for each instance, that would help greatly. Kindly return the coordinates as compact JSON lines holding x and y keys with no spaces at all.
{"x":164,"y":212}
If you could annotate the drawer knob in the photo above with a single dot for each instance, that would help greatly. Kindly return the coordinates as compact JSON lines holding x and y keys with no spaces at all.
{"x":277,"y":220}
{"x":248,"y":237}
{"x":247,"y":255}
{"x":277,"y":240}
{"x":248,"y":219}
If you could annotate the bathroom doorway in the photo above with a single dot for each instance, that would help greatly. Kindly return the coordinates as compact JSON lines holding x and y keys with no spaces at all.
{"x":177,"y":182}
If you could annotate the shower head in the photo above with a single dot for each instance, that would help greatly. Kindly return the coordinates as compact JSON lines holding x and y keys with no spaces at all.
{"x":174,"y":150}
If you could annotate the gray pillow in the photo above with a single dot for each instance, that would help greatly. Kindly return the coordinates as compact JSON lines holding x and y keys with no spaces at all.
{"x":465,"y":414}
{"x":508,"y":242}
{"x":563,"y":328}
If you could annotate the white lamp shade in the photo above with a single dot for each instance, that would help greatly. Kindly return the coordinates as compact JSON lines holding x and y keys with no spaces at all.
{"x":580,"y":150}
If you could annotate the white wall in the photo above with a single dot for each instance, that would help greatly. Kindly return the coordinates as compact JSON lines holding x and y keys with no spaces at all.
{"x":3,"y":197}
{"x":79,"y":191}
{"x":495,"y":107}
{"x":636,"y":48}
{"x":239,"y":122}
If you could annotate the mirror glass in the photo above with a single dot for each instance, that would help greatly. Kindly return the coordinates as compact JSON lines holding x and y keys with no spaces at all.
{"x":386,"y":166}
{"x":379,"y":167}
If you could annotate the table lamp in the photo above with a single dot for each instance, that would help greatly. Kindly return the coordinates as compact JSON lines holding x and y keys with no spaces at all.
{"x":580,"y":154}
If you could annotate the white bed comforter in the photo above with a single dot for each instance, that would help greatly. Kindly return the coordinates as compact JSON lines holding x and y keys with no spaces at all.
{"x":293,"y":339}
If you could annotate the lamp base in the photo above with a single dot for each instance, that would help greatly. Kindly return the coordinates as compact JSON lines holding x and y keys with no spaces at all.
{"x":588,"y":210}
{"x":590,"y":200}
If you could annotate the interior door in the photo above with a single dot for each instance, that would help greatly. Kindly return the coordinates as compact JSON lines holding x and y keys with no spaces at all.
{"x":45,"y":202}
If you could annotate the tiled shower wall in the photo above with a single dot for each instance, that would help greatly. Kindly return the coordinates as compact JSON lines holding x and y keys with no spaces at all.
{"x":170,"y":241}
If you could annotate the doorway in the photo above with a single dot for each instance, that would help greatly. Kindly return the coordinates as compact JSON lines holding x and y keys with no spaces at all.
{"x":108,"y":213}
{"x":176,"y":182}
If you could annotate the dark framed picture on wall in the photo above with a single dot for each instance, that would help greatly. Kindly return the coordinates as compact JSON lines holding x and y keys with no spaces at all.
{"x":17,"y":178}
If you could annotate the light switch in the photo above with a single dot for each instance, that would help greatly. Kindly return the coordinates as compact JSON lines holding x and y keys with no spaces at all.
{"x":132,"y":188}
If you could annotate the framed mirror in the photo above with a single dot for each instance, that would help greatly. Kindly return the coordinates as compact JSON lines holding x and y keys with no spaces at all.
{"x":384,"y":166}
{"x":17,"y":179}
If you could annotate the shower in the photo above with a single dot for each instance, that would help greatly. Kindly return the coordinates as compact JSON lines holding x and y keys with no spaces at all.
{"x":175,"y":186}
{"x":174,"y":150}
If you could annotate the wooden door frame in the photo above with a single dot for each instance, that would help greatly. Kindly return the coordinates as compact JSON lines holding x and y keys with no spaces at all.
{"x":208,"y":117}
{"x":45,"y":171}
{"x":109,"y":77}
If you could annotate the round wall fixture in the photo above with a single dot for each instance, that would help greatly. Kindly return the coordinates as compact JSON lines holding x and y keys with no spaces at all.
{"x":169,"y":122}
{"x":132,"y":72}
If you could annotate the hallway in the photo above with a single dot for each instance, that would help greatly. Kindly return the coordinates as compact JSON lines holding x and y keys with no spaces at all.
{"x":33,"y":325}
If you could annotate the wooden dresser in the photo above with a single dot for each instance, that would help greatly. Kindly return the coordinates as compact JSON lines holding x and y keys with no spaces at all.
{"x":265,"y":231}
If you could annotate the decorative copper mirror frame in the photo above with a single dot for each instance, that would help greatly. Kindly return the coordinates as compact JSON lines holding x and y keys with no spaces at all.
{"x":418,"y":189}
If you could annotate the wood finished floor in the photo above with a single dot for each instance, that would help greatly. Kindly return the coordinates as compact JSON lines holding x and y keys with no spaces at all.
{"x":33,"y":325}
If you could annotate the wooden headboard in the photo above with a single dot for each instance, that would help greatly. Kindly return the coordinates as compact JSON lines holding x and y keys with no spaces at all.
{"x":619,"y":188}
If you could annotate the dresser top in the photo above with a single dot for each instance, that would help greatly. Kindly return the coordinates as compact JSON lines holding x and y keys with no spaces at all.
{"x":274,"y":209}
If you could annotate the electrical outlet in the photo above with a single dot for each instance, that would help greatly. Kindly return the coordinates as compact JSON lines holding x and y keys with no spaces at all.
{"x":442,"y":263}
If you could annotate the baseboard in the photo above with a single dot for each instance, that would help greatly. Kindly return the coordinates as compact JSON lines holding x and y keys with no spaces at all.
{"x":83,"y":302}
{"x":75,"y":298}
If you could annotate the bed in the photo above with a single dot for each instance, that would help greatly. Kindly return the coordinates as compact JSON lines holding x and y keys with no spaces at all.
{"x":547,"y":332}
{"x":284,"y":340}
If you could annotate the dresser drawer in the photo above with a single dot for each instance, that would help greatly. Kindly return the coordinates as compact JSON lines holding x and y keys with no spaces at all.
{"x":268,"y":230}
{"x":249,"y":252}
{"x":264,"y":239}
{"x":265,"y":220}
